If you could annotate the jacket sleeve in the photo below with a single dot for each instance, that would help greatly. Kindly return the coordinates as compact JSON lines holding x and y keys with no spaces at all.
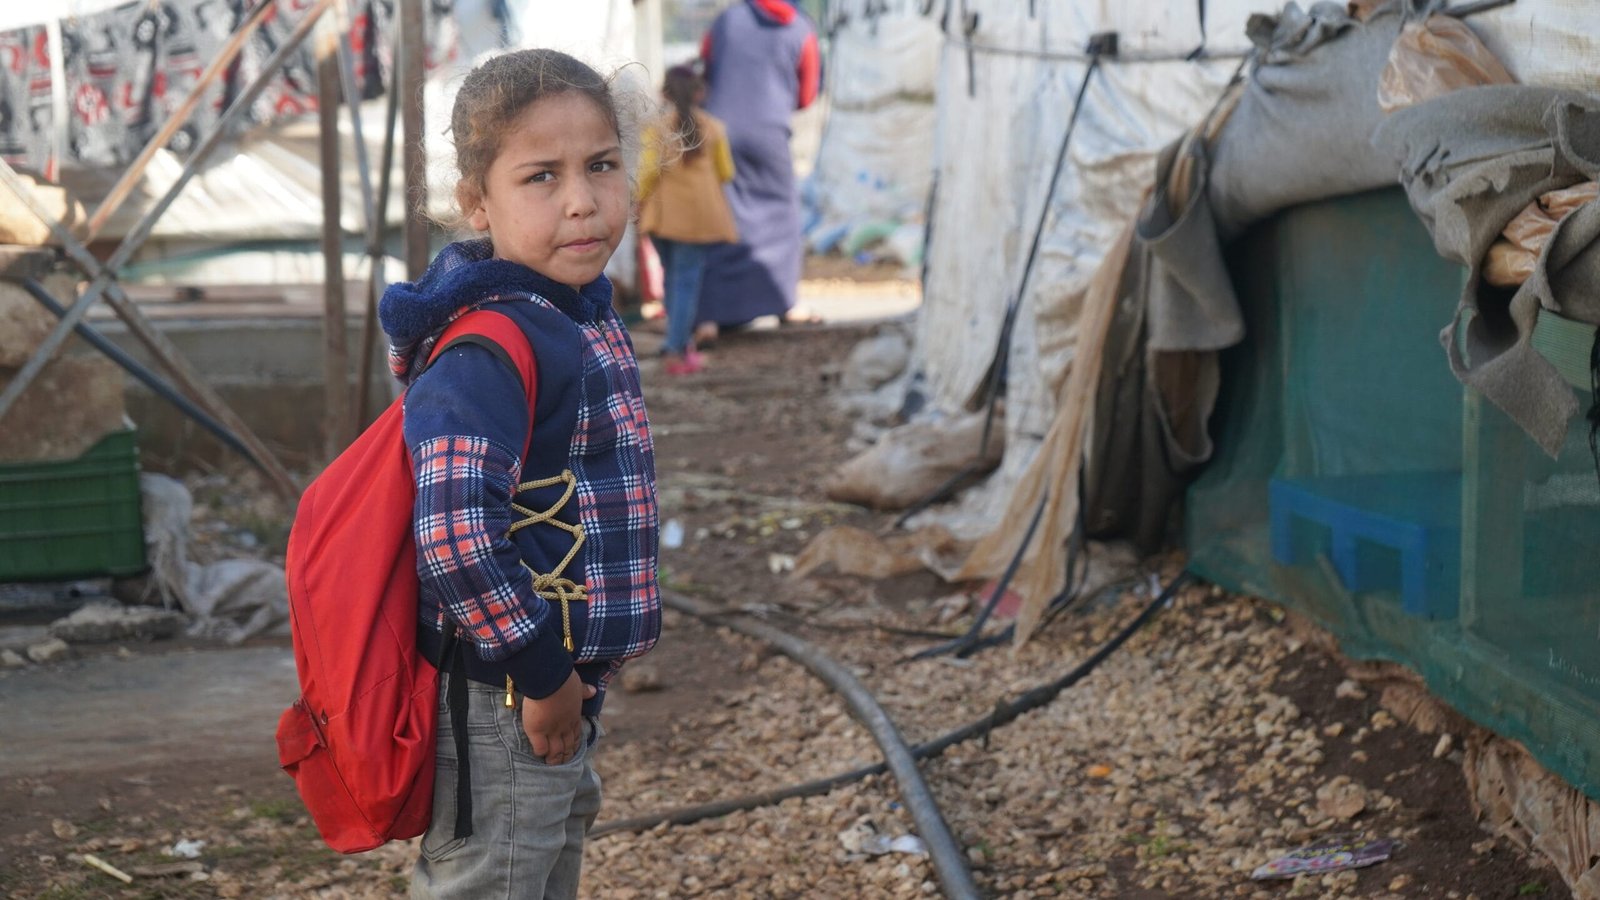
{"x":466,"y":420}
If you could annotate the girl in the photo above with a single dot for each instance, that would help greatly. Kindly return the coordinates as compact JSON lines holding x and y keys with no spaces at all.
{"x":685,"y":163}
{"x":548,"y":582}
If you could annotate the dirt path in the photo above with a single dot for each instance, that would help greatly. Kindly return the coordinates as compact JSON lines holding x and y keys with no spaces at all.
{"x":145,"y":710}
{"x":1174,"y":770}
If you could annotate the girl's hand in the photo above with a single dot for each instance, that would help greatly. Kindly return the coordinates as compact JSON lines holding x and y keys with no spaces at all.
{"x":555,"y":723}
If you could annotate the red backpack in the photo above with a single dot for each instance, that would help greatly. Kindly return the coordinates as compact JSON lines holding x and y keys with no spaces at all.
{"x":359,"y":742}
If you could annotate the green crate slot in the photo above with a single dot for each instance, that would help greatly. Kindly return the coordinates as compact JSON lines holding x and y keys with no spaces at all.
{"x":75,"y":518}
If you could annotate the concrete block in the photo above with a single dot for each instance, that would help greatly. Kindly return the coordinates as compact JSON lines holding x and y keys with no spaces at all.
{"x":75,"y":401}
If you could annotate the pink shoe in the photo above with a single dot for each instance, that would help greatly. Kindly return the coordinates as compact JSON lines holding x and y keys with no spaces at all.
{"x":687,"y":364}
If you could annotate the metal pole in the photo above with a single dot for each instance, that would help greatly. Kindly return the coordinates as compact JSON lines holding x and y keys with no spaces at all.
{"x":150,"y":379}
{"x":335,"y":347}
{"x":352,"y":96}
{"x":141,"y":230}
{"x":412,"y":48}
{"x":375,"y":236}
{"x":130,"y":176}
{"x":103,"y":275}
{"x":154,"y":340}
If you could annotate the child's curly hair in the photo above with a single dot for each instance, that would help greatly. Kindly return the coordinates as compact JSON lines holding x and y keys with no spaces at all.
{"x":496,"y":92}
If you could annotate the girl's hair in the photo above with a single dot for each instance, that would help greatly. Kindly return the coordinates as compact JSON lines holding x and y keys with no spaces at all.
{"x":681,"y":86}
{"x":496,"y":92}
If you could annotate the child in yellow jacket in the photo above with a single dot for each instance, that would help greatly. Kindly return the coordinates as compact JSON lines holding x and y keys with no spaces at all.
{"x":685,"y":161}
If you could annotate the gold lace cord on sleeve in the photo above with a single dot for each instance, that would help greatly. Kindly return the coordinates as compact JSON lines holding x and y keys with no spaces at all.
{"x":552,"y":585}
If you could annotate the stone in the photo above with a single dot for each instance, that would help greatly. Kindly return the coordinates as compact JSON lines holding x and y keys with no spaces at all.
{"x":641,"y":678}
{"x":1341,"y":798}
{"x":104,"y":623}
{"x":11,"y":659}
{"x":53,"y":650}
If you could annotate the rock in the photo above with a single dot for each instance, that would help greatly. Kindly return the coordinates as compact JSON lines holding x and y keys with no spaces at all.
{"x":641,"y":678}
{"x":11,"y":659}
{"x":104,"y":623}
{"x":63,"y":829}
{"x":1399,"y":883}
{"x":1349,"y":690}
{"x":1341,"y":798}
{"x":53,"y":650}
{"x":1442,"y":749}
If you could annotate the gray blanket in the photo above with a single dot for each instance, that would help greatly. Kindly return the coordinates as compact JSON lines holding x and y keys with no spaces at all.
{"x":1300,"y":132}
{"x":1470,"y":161}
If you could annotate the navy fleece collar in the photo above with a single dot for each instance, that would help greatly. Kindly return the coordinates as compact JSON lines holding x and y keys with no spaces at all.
{"x":465,"y":274}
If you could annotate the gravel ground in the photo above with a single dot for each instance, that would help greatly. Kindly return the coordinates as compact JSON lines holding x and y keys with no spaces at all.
{"x":1218,"y":736}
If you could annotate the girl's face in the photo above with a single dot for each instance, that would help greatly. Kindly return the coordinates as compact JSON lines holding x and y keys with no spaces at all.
{"x":556,"y":197}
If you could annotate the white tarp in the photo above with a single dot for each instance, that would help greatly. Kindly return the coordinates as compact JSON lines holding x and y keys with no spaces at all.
{"x":873,"y":170}
{"x":997,"y":135}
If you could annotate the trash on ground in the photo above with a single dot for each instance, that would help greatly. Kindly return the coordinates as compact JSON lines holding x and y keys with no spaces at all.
{"x":187,"y":849}
{"x":1331,"y":854}
{"x":89,"y":859}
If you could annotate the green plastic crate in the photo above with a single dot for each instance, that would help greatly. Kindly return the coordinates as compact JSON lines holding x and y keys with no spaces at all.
{"x":73,"y":519}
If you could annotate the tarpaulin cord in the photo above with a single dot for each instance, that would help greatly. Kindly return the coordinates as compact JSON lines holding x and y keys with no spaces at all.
{"x":949,"y":859}
{"x":1472,"y":9}
{"x":1003,"y":714}
{"x":997,"y":367}
{"x":994,"y":595}
{"x":1065,"y":56}
{"x":972,"y":641}
{"x":1200,"y":50}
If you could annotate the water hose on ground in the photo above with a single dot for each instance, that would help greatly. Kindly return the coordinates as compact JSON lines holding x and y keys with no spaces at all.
{"x":949,"y":860}
{"x":1004,"y":713}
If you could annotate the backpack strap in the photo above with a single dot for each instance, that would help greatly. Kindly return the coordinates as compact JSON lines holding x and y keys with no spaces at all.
{"x":498,"y":333}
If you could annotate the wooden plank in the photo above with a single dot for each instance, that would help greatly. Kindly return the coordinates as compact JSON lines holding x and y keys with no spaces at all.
{"x":335,"y":350}
{"x":413,"y":48}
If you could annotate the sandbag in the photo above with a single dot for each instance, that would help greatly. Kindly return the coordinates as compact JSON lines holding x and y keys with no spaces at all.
{"x":18,"y":224}
{"x":1433,"y":57}
{"x":1471,"y":161}
{"x":910,"y":462}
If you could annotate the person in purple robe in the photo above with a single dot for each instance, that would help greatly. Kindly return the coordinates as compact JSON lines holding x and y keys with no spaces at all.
{"x":762,"y":63}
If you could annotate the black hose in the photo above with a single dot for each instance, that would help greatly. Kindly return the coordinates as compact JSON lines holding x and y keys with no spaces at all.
{"x":151,"y":380}
{"x":949,"y":860}
{"x":1004,"y":713}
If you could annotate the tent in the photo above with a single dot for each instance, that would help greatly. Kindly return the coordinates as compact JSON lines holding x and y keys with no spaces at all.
{"x":1227,"y":282}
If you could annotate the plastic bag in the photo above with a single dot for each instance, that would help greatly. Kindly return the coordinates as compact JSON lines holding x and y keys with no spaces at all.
{"x":1433,"y":57}
{"x":1511,"y":260}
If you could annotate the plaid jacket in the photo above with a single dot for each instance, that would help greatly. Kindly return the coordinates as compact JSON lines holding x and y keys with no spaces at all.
{"x":466,"y":422}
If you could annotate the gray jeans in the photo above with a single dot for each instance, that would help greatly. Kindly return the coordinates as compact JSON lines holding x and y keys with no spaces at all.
{"x":528,"y":818}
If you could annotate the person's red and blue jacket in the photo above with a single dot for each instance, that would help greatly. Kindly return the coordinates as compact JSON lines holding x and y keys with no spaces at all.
{"x":466,"y":418}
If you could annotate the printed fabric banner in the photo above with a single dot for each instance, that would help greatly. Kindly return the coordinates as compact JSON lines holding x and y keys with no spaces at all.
{"x":129,"y":68}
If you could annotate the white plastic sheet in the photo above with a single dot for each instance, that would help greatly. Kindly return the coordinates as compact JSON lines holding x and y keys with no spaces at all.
{"x":875,"y":163}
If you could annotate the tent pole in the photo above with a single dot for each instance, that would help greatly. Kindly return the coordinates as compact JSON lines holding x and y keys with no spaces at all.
{"x":119,"y":192}
{"x":375,"y":240}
